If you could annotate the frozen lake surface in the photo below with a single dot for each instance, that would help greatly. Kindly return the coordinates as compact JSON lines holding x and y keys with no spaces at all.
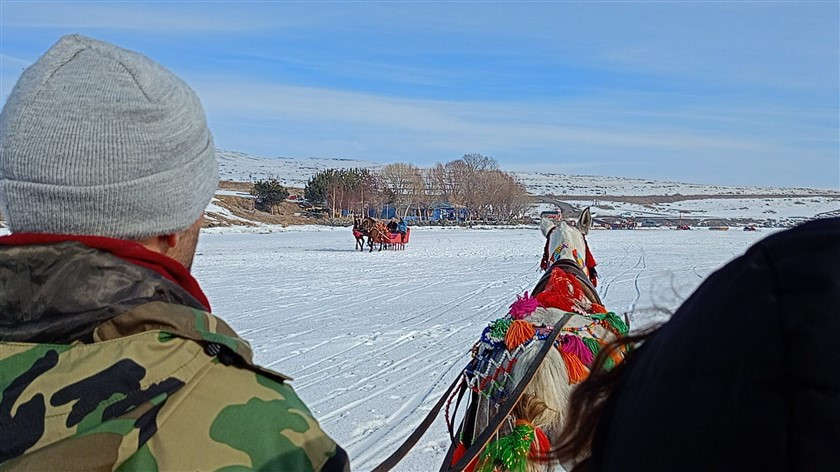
{"x":373,"y":339}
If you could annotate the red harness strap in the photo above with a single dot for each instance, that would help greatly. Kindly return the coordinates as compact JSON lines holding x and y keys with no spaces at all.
{"x":590,"y":265}
{"x":544,"y":262}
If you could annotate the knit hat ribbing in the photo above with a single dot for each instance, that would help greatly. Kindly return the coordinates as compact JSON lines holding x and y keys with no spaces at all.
{"x":98,"y":140}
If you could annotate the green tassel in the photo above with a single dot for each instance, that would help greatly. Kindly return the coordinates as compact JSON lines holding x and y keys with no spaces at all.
{"x":616,"y":323}
{"x":596,"y":348}
{"x":509,"y":451}
{"x":592,"y":344}
{"x":500,"y":328}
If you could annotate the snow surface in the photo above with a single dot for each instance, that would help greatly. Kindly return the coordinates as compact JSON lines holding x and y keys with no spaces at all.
{"x":373,"y":339}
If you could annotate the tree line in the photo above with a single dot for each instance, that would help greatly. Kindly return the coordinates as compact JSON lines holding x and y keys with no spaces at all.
{"x":473,"y":185}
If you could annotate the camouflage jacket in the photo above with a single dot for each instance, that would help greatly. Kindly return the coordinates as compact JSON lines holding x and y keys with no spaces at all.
{"x":155,"y":383}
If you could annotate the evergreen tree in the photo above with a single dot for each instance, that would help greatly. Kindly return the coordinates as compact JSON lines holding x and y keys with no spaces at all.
{"x":268,"y":192}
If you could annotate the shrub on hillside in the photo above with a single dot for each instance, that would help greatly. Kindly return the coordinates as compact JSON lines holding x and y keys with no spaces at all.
{"x":268,"y":192}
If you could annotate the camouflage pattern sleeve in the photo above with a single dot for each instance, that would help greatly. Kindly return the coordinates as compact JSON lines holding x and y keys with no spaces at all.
{"x":153,"y":400}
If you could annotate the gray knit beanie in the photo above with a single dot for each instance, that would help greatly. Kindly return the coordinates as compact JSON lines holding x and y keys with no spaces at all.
{"x":98,"y":140}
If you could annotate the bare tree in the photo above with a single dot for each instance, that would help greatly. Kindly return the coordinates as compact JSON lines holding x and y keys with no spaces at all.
{"x":475,"y":181}
{"x":405,"y":182}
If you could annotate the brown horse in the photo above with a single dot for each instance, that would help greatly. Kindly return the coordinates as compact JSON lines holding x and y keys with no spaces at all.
{"x":359,"y":233}
{"x":374,"y":230}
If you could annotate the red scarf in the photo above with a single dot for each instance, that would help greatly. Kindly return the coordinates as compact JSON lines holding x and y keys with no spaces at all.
{"x":129,"y":251}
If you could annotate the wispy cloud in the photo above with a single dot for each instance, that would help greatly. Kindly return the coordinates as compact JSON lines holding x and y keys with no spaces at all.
{"x":170,"y":18}
{"x":712,"y":90}
{"x":315,"y":121}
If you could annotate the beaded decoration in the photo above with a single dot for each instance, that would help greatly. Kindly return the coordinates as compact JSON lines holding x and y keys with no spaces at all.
{"x":503,"y":341}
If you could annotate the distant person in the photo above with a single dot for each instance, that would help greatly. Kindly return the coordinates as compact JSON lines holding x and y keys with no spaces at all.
{"x":392,"y":226}
{"x":743,"y":377}
{"x":110,"y":358}
{"x":402,"y":228}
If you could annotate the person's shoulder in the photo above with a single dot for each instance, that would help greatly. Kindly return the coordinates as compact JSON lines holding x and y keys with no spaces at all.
{"x":819,"y":231}
{"x":262,"y":416}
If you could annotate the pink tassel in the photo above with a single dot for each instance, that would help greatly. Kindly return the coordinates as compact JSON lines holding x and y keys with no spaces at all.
{"x":573,"y":345}
{"x":523,"y":306}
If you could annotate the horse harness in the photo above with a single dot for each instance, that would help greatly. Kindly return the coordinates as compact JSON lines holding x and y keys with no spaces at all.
{"x":459,"y":387}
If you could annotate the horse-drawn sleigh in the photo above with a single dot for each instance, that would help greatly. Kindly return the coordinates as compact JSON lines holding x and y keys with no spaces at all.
{"x":524,"y":366}
{"x":377,"y":232}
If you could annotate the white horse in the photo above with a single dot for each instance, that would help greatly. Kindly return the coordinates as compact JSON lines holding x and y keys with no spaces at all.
{"x":510,"y":345}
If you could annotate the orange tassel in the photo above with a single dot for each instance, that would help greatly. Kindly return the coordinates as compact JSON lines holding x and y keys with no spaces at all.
{"x":616,"y":356}
{"x":577,"y":371}
{"x":519,"y":332}
{"x":598,"y":308}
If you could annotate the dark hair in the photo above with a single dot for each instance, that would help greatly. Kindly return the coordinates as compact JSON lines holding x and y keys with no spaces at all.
{"x":589,"y":400}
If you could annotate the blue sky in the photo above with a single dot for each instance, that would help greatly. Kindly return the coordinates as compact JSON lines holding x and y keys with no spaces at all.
{"x":714,"y":92}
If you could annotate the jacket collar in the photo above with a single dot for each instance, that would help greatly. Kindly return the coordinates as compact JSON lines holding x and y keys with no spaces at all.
{"x":129,"y":251}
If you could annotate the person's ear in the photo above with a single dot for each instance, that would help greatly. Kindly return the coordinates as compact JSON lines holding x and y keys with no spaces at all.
{"x":172,"y":240}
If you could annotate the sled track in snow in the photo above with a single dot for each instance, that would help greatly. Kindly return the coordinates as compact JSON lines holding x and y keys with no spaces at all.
{"x":373,"y":341}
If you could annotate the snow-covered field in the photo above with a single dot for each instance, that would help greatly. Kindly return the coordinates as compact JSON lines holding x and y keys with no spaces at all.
{"x":373,"y":340}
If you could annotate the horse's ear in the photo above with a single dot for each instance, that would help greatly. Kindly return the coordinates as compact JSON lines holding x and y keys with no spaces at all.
{"x":546,"y":224}
{"x":585,"y":221}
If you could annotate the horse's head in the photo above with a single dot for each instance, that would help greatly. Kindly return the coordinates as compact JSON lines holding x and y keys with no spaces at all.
{"x":564,"y":241}
{"x":366,"y":224}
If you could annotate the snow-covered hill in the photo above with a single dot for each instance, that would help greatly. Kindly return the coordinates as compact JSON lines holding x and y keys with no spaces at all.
{"x":608,"y":196}
{"x":563,"y":184}
{"x":295,"y":172}
{"x":292,"y":172}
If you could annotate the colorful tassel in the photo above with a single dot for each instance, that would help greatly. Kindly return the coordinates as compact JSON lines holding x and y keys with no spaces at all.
{"x":615,"y":356}
{"x":574,"y":367}
{"x":459,"y":452}
{"x":541,"y":447}
{"x":523,"y":306}
{"x":552,"y":299}
{"x":499,"y":328}
{"x":519,"y":332}
{"x":612,"y":359}
{"x":617,"y":323}
{"x":573,"y":345}
{"x":509,"y":451}
{"x":598,"y":308}
{"x":593,"y":346}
